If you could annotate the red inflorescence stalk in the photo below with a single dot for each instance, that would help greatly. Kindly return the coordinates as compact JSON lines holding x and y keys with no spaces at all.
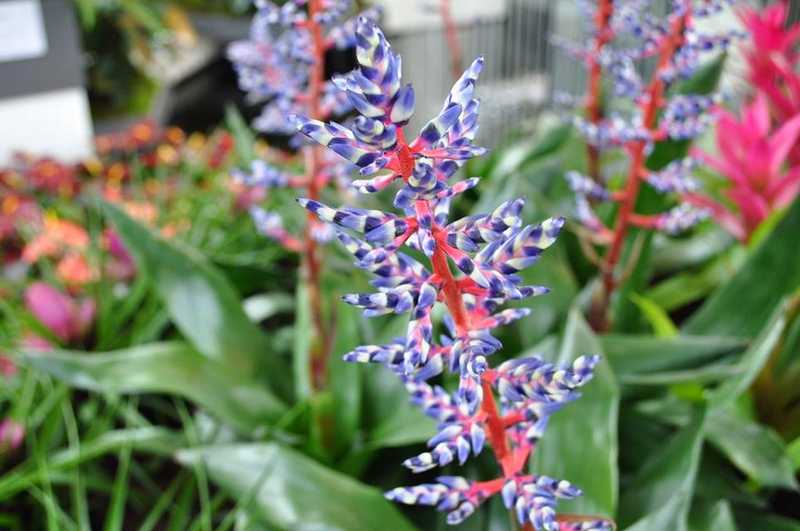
{"x":451,"y":36}
{"x":651,"y":104}
{"x":452,"y":296}
{"x":594,"y":103}
{"x":321,"y":341}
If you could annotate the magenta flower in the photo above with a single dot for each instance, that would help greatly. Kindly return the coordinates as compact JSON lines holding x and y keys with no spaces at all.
{"x":67,"y":318}
{"x":11,"y":435}
{"x":772,"y":60}
{"x":7,"y":366}
{"x":754,"y":158}
{"x":120,"y":265}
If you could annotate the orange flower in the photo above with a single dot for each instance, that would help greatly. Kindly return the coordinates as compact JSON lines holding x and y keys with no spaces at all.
{"x":57,"y":236}
{"x":141,"y":211}
{"x":74,"y":270}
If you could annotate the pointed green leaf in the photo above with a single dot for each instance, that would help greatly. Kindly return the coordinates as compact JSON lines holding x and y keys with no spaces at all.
{"x":655,"y":315}
{"x":634,"y":354}
{"x":742,"y":306}
{"x":173,"y":368}
{"x":755,"y":449}
{"x":580,"y":444}
{"x":659,"y":496}
{"x":201,"y":302}
{"x":290,"y":491}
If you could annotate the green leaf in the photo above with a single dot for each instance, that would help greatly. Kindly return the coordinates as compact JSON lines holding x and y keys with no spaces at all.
{"x":684,"y":288}
{"x":243,"y":136}
{"x":755,"y":449}
{"x":761,"y":520}
{"x":529,"y":150}
{"x":656,"y":316}
{"x":173,"y":368}
{"x":201,"y":302}
{"x":742,"y":306}
{"x":659,"y":496}
{"x":266,"y":305}
{"x":581,"y":441}
{"x":752,"y":360}
{"x":290,"y":491}
{"x":345,"y":378}
{"x":708,"y":517}
{"x":794,"y":453}
{"x":635,"y":354}
{"x":301,"y":350}
{"x":158,"y":441}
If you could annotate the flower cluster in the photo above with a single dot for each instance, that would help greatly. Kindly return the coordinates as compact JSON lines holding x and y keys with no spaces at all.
{"x":489,"y":250}
{"x":759,"y":154}
{"x":282,"y":65}
{"x":773,"y":61}
{"x":753,"y":157}
{"x":678,"y":47}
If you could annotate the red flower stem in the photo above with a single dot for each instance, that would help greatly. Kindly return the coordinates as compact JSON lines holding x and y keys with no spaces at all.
{"x":452,"y":296}
{"x":652,"y":102}
{"x":321,"y":340}
{"x":594,"y":104}
{"x":451,"y":35}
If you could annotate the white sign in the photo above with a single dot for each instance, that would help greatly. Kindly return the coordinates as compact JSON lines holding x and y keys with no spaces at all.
{"x":39,"y":120}
{"x":22,"y":34}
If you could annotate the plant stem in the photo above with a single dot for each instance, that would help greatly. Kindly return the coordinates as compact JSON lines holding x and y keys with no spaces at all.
{"x":594,"y":104}
{"x":451,"y":36}
{"x":652,"y":103}
{"x":321,"y":341}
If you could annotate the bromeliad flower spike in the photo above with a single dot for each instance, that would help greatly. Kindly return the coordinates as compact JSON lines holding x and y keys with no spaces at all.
{"x":489,"y":250}
{"x":677,"y":47}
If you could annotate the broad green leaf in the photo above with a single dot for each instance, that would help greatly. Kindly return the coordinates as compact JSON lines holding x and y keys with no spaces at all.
{"x":659,"y":496}
{"x":512,"y":158}
{"x":290,"y":491}
{"x":656,"y":316}
{"x":673,"y":254}
{"x":762,"y":520}
{"x":684,"y":288}
{"x":173,"y":368}
{"x":752,"y":360}
{"x":581,"y":441}
{"x":201,"y":302}
{"x":714,"y":372}
{"x":634,"y":354}
{"x":708,"y":517}
{"x":755,"y":449}
{"x":742,"y":306}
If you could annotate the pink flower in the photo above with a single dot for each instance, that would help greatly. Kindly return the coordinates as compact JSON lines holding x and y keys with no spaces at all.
{"x":121,"y":265}
{"x":11,"y":435}
{"x":69,"y":319}
{"x":7,"y":366}
{"x":753,"y":157}
{"x":772,"y":61}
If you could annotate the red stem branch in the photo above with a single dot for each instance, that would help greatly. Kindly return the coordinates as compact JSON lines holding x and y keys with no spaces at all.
{"x":321,"y":342}
{"x":594,"y":104}
{"x":451,"y":36}
{"x":652,"y":102}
